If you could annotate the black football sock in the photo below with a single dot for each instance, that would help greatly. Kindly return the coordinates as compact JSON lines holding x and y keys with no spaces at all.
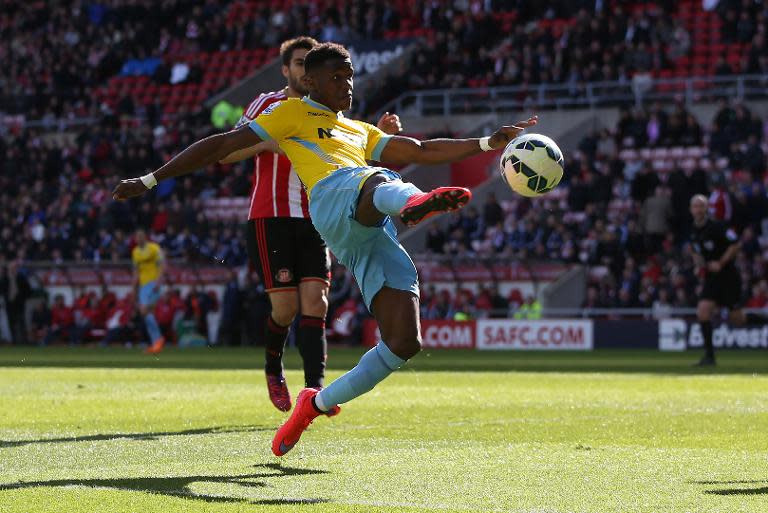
{"x":313,"y":348}
{"x":316,"y":407}
{"x":754,"y":318}
{"x":706,"y":332}
{"x":274,"y":344}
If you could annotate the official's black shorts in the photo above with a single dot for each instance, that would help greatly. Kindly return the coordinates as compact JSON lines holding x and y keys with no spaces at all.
{"x":724,"y":288}
{"x":286,"y":251}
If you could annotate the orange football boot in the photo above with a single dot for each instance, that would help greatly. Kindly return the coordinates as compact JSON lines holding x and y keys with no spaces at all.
{"x":303,"y":414}
{"x":424,"y":205}
{"x":156,"y":346}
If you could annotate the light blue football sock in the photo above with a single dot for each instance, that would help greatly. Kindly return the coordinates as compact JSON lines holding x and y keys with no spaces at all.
{"x":152,"y":327}
{"x":390,"y":197}
{"x":374,"y":366}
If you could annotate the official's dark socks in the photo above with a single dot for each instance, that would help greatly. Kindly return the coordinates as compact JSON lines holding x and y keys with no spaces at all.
{"x":313,"y":348}
{"x":274,"y":342}
{"x":706,"y":332}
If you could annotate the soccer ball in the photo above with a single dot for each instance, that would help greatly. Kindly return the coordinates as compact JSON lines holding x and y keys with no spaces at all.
{"x":532,"y":165}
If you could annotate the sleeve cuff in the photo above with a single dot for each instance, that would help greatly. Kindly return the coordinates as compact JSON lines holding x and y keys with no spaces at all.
{"x":376,"y":153}
{"x":259,"y":130}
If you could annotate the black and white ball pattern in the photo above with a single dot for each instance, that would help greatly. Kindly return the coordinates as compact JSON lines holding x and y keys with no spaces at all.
{"x":532,"y":165}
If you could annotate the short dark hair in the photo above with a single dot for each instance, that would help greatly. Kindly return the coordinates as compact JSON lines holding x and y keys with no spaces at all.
{"x":323,"y":53}
{"x":297,"y":43}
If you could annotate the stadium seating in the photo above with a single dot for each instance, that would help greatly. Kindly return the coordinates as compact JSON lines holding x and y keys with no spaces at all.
{"x":127,"y":115}
{"x":221,"y":69}
{"x":580,"y":223}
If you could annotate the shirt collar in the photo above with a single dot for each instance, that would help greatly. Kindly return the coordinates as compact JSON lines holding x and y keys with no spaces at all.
{"x":320,"y":106}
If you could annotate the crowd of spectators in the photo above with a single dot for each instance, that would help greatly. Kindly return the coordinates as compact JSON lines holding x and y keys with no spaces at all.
{"x":55,"y":201}
{"x":54,"y":186}
{"x":57,"y":56}
{"x":628,"y":222}
{"x":574,"y":43}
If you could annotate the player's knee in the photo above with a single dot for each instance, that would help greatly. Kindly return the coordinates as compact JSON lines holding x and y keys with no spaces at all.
{"x":413,"y":347}
{"x":283,"y":317}
{"x":284,"y":312}
{"x":314,"y":302}
{"x":405,"y":347}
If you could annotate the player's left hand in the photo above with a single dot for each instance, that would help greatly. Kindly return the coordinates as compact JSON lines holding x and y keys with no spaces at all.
{"x":129,"y":189}
{"x":714,"y":266}
{"x":503,"y":135}
{"x":390,"y":124}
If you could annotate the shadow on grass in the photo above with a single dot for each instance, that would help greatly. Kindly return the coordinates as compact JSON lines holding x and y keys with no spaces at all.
{"x":180,"y":486}
{"x":740,"y":491}
{"x":763,"y":490}
{"x":753,"y":481}
{"x":135,"y":436}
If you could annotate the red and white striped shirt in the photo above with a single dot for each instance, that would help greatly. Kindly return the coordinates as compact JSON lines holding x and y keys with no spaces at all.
{"x":277,"y":190}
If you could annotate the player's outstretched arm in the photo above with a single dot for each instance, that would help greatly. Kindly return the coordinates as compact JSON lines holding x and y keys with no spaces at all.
{"x":405,"y":150}
{"x":239,"y":155}
{"x":202,"y":153}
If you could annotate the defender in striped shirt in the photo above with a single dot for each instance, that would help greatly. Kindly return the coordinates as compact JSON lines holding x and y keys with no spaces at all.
{"x":283,"y":245}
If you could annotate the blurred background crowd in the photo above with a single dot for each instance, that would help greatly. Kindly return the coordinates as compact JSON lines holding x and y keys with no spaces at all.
{"x":93,"y":91}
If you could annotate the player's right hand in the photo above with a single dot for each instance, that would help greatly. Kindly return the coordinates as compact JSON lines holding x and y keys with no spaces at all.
{"x":503,"y":135}
{"x":129,"y":189}
{"x":390,"y":124}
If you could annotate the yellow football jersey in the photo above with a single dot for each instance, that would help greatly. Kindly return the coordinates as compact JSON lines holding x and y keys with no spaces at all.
{"x":317,"y":140}
{"x":147,"y":261}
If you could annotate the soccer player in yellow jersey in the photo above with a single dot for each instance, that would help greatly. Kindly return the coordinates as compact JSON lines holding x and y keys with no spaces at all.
{"x":148,"y":263}
{"x":350,"y":204}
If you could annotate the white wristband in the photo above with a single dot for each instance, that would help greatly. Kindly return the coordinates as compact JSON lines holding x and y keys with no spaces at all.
{"x":484,"y":143}
{"x":149,"y":180}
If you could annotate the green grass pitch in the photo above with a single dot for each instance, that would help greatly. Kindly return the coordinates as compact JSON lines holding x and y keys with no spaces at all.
{"x":90,"y":430}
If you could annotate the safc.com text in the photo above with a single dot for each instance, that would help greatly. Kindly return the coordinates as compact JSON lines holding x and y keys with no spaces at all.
{"x":499,"y":334}
{"x":534,"y":335}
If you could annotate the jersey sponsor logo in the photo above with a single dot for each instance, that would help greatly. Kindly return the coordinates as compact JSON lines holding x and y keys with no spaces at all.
{"x":284,"y":276}
{"x":318,"y":114}
{"x":330,"y":133}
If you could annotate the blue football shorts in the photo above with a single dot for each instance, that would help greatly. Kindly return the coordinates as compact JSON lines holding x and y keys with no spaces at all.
{"x":373,"y":253}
